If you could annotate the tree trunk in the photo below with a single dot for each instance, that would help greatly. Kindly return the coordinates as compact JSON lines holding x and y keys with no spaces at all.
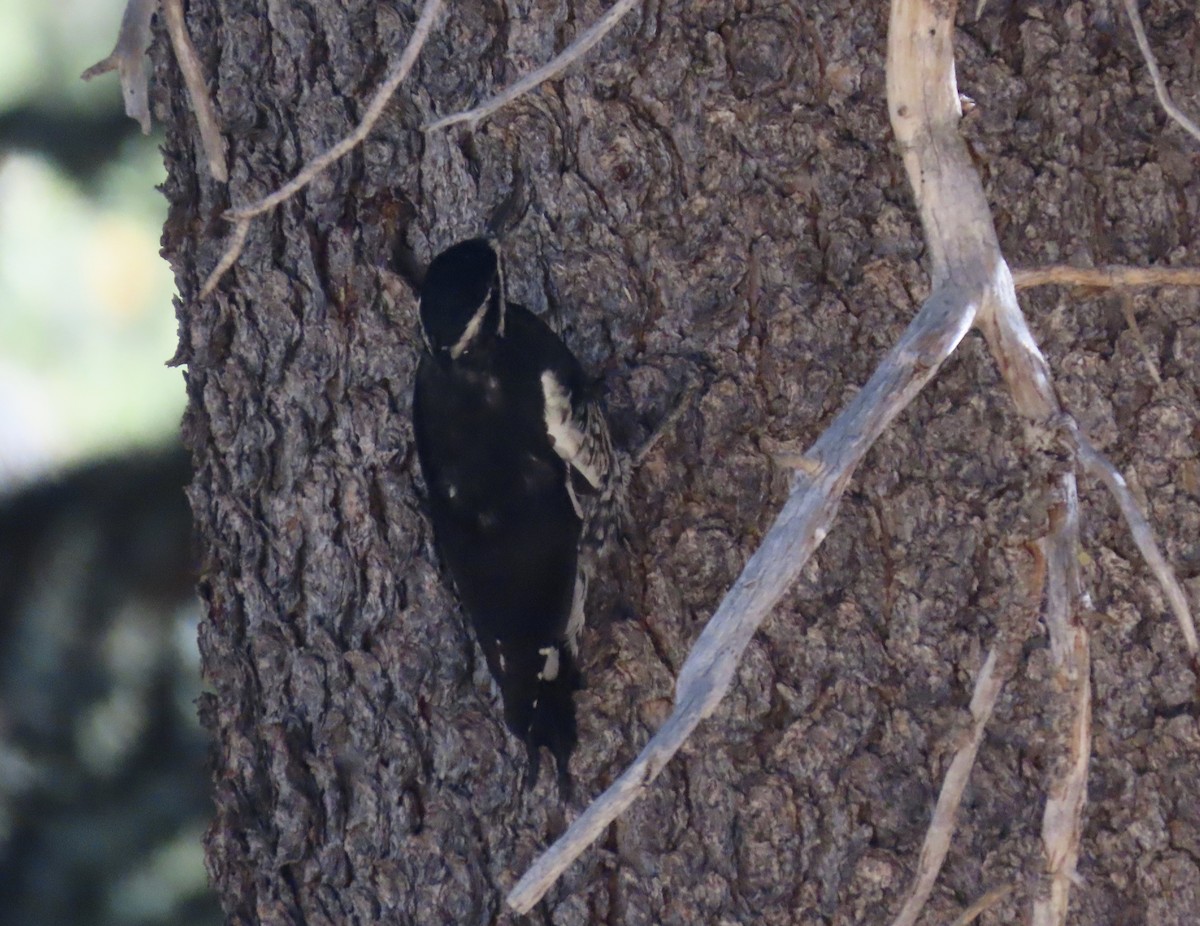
{"x":713,"y":197}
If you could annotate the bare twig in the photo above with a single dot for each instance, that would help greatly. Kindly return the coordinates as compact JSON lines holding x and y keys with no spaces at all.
{"x":941,"y":827}
{"x":983,"y":904}
{"x":1027,"y":375}
{"x":971,"y":285}
{"x":233,"y":250}
{"x":375,"y":109}
{"x":1136,"y":330}
{"x":128,"y":58}
{"x":193,"y":76}
{"x":1160,"y":88}
{"x":572,"y":53}
{"x":1100,"y":468}
{"x":997,"y":669}
{"x":792,"y":539}
{"x":1062,"y":819}
{"x":324,"y":160}
{"x":1106,"y":277}
{"x":962,"y":271}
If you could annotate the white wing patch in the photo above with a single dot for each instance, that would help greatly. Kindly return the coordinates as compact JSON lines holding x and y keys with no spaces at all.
{"x":585,"y":444}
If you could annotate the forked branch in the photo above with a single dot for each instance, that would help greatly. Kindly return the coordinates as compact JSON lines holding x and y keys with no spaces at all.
{"x":128,"y":59}
{"x":314,"y":168}
{"x":787,"y":547}
{"x":971,"y":284}
{"x":242,"y":216}
{"x":959,"y":286}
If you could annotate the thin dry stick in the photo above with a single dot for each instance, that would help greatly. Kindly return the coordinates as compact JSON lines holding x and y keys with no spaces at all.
{"x":997,"y":669}
{"x":962,"y":271}
{"x":941,"y":827}
{"x":572,"y":53}
{"x":233,"y":250}
{"x":791,"y":541}
{"x":1136,"y":330}
{"x":128,"y":58}
{"x":193,"y":76}
{"x":1098,"y":466}
{"x":1106,"y":277}
{"x":323,"y":161}
{"x":1062,"y":819}
{"x":922,"y":96}
{"x":1027,"y":375}
{"x":1160,"y":88}
{"x":969,"y":276}
{"x":983,"y":904}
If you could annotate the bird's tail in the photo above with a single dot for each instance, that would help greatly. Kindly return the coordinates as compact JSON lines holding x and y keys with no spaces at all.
{"x":553,"y":722}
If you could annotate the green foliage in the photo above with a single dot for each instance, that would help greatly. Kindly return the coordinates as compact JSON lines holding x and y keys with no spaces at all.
{"x":86,"y":322}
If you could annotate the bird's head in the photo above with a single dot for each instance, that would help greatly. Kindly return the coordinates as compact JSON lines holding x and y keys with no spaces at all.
{"x":462,"y":298}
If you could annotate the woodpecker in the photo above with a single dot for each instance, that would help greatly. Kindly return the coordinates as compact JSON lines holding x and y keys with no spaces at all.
{"x":521,"y":480}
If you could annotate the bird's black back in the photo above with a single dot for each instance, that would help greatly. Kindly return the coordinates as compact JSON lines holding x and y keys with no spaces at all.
{"x":504,"y":521}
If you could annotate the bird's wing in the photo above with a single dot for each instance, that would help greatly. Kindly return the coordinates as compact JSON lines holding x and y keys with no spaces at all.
{"x":578,"y":432}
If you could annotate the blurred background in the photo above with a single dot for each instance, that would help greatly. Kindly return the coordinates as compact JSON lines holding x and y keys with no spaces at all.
{"x":103,"y":772}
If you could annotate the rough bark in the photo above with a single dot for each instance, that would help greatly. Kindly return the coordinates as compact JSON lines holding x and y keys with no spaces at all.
{"x":715,"y":195}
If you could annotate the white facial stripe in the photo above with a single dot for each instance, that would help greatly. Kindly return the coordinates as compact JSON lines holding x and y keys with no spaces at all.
{"x":472,"y":329}
{"x":424,"y":333}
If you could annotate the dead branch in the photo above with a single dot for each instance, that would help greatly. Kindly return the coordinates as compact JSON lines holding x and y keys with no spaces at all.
{"x":1062,"y":819}
{"x":233,"y":250}
{"x":128,"y":58}
{"x":572,"y":53}
{"x":962,"y":271}
{"x":1136,"y":330}
{"x":1106,"y":277}
{"x":1160,"y":87}
{"x":1027,"y":375}
{"x":971,"y":284}
{"x":193,"y":76}
{"x":983,"y":904}
{"x":924,"y":105}
{"x":1099,"y":467}
{"x":241,"y":216}
{"x":997,"y":669}
{"x":941,"y":827}
{"x":793,"y":538}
